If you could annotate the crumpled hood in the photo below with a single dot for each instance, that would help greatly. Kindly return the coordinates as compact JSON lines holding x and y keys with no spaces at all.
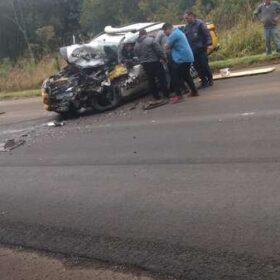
{"x":84,"y":56}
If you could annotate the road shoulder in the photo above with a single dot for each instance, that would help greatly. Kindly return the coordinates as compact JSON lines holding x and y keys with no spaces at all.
{"x":16,"y":263}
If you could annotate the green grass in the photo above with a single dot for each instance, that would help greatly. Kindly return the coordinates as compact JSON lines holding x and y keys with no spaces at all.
{"x":20,"y":94}
{"x":253,"y":60}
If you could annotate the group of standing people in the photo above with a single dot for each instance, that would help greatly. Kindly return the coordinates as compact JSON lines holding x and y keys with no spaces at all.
{"x":175,"y":50}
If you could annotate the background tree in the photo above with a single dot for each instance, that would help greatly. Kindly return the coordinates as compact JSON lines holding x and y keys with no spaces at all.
{"x":98,"y":13}
{"x":35,"y":27}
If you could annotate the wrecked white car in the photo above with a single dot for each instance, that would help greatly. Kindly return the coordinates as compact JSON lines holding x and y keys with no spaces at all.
{"x":96,"y":76}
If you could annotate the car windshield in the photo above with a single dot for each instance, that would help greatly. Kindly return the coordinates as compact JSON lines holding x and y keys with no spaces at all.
{"x":107,"y":40}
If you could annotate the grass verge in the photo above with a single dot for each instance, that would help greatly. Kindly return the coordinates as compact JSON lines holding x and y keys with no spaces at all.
{"x":245,"y":61}
{"x":20,"y":94}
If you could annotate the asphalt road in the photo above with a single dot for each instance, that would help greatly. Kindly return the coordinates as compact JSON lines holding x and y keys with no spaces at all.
{"x":190,"y":190}
{"x":22,"y":110}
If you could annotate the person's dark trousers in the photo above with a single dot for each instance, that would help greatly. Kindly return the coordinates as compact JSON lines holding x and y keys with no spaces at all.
{"x":155,"y":72}
{"x":202,"y":67}
{"x":180,"y":74}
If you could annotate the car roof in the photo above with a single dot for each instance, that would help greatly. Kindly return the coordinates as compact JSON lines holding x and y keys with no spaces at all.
{"x":132,"y":27}
{"x":117,"y":35}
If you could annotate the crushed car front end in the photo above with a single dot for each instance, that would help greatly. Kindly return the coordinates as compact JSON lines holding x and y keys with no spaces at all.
{"x":59,"y":92}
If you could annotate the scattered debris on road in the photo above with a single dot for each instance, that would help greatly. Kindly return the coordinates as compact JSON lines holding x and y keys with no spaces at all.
{"x":248,"y":114}
{"x":11,"y":144}
{"x":2,"y":113}
{"x":56,"y":124}
{"x":154,"y":104}
{"x":225,"y":72}
{"x":134,"y":106}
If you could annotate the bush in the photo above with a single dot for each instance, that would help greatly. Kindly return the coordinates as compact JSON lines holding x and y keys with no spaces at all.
{"x":246,"y":38}
{"x":24,"y":74}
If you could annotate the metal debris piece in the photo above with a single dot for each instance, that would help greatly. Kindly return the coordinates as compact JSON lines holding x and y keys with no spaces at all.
{"x":134,"y":106}
{"x":56,"y":124}
{"x":154,"y":104}
{"x":11,"y":144}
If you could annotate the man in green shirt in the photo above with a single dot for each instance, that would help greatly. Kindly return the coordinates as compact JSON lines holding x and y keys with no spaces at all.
{"x":268,"y":13}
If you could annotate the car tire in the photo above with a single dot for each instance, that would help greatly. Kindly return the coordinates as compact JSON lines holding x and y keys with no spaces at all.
{"x":102,"y":103}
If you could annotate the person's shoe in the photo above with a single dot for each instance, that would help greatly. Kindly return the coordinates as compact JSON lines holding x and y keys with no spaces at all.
{"x":210,"y":83}
{"x":157,"y":97}
{"x":185,"y":91}
{"x":193,"y":94}
{"x":203,"y":85}
{"x":173,"y":99}
{"x":176,"y":99}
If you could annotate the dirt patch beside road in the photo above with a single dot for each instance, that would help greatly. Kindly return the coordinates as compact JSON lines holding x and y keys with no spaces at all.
{"x":17,"y":264}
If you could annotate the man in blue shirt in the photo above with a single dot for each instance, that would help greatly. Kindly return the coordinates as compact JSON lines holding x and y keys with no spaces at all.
{"x":182,"y":58}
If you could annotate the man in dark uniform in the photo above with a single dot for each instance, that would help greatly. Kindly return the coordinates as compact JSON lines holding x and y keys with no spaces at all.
{"x":199,"y":38}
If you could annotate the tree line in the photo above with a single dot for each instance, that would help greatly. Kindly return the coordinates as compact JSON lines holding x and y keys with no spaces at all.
{"x":34,"y":28}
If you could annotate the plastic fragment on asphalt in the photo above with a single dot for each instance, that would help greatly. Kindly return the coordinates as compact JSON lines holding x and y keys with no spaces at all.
{"x":11,"y":144}
{"x":56,"y":124}
{"x":225,"y":72}
{"x":248,"y":114}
